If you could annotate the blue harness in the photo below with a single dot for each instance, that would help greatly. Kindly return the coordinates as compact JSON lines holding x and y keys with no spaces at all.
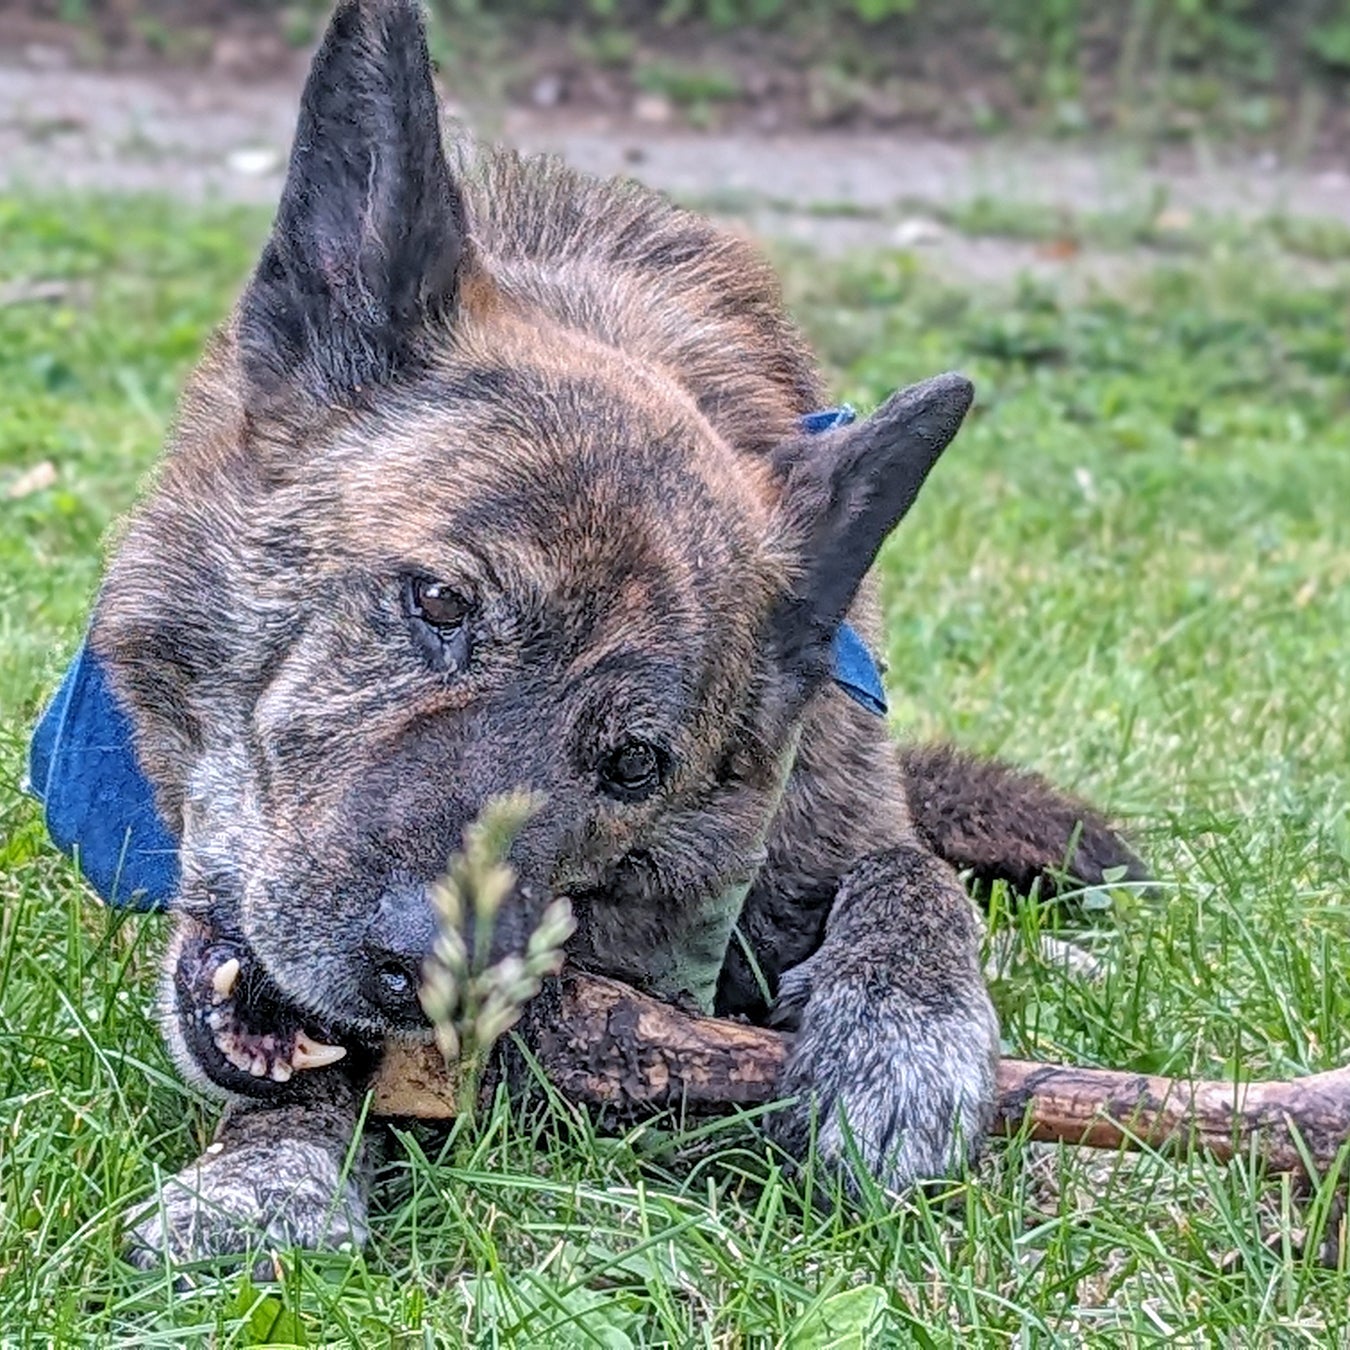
{"x":99,"y":805}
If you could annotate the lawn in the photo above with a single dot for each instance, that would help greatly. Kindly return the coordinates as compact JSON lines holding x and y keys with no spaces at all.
{"x":1131,"y":571}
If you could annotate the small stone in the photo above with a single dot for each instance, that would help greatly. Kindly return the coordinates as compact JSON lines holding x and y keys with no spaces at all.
{"x":254,"y":161}
{"x":37,"y":479}
{"x":232,"y":54}
{"x":46,"y":56}
{"x":246,"y":56}
{"x":915,"y":231}
{"x":653,"y":108}
{"x":547,"y":90}
{"x":767,"y":117}
{"x":25,"y":292}
{"x":1173,"y":220}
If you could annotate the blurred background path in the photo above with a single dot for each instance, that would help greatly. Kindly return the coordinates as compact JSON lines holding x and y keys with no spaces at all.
{"x":984,"y":207}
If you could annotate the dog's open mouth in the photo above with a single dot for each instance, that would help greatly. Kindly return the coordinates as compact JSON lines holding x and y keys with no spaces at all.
{"x":239,"y":1029}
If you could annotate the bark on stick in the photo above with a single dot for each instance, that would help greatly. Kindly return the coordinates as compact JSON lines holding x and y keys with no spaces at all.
{"x":604,"y":1044}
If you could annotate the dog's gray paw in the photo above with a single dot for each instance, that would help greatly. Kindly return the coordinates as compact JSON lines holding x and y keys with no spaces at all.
{"x":253,"y":1197}
{"x":901,"y":1088}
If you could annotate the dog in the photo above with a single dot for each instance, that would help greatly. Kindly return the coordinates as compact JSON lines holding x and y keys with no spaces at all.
{"x":502,"y":477}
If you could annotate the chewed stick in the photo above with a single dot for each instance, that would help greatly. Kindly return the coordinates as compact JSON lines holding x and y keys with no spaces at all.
{"x":604,"y":1044}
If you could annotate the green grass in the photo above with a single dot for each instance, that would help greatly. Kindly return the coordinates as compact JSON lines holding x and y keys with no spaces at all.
{"x":1132,"y":570}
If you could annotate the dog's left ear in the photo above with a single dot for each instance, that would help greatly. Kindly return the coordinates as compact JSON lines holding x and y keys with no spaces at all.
{"x":843,"y":493}
{"x":369,"y":239}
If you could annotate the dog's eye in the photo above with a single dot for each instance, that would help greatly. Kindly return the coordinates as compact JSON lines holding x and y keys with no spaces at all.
{"x":437,"y":605}
{"x":440,"y":622}
{"x":631,"y":772}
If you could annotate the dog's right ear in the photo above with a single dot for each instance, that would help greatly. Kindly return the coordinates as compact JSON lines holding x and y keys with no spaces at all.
{"x":367,"y":247}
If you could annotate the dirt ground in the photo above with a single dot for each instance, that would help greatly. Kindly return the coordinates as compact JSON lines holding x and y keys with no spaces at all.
{"x":202,"y":134}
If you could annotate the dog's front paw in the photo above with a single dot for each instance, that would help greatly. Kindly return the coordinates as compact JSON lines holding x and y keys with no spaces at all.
{"x":898,"y":1086}
{"x":252,"y":1197}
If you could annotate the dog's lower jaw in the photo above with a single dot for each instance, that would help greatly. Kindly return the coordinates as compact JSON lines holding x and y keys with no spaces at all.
{"x":892,"y":1068}
{"x":231,"y":1030}
{"x":276,"y":1177}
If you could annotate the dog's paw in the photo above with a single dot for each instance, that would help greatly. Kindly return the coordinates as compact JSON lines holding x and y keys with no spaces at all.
{"x":899,"y":1088}
{"x":233,"y":1026}
{"x":254,"y":1197}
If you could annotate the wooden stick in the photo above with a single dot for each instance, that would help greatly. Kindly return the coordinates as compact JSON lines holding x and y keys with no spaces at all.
{"x":605,"y":1044}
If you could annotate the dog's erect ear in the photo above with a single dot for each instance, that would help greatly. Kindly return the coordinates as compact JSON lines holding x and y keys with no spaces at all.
{"x":843,"y":493}
{"x":368,"y":240}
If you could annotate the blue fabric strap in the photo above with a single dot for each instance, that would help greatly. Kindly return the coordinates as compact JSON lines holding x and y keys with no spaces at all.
{"x":854,"y":668}
{"x":99,"y":805}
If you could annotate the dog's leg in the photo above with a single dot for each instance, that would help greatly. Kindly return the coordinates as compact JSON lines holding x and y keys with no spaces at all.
{"x":279,"y":1172}
{"x":275,"y":1177}
{"x":896,"y":1039}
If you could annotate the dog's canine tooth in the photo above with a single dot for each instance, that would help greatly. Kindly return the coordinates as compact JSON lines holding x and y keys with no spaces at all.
{"x":225,"y":978}
{"x":310,"y":1054}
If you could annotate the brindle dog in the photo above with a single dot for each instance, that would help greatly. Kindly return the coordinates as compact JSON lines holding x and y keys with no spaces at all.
{"x":495,"y":479}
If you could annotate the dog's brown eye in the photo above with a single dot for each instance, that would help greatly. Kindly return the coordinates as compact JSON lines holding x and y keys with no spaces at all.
{"x":436,"y":604}
{"x":440,"y":621}
{"x":631,"y":772}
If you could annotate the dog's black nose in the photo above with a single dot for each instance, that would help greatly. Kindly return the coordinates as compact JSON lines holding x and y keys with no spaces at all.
{"x":397,"y":944}
{"x":391,"y":984}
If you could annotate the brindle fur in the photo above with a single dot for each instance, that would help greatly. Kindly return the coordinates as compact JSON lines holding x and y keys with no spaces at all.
{"x":577,"y":405}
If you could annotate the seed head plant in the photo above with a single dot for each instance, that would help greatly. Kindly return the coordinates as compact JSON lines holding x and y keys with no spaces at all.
{"x":470,"y":999}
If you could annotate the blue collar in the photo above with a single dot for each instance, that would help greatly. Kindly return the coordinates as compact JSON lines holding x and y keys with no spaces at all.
{"x":99,"y":805}
{"x":854,"y":668}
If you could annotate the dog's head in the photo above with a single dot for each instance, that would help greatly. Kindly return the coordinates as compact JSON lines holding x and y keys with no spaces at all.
{"x":424,"y":537}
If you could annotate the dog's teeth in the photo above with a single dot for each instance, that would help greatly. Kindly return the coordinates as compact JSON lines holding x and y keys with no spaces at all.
{"x":281,"y":1071}
{"x":228,"y":1045}
{"x":226,"y":977}
{"x":310,"y":1054}
{"x":258,"y":1066}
